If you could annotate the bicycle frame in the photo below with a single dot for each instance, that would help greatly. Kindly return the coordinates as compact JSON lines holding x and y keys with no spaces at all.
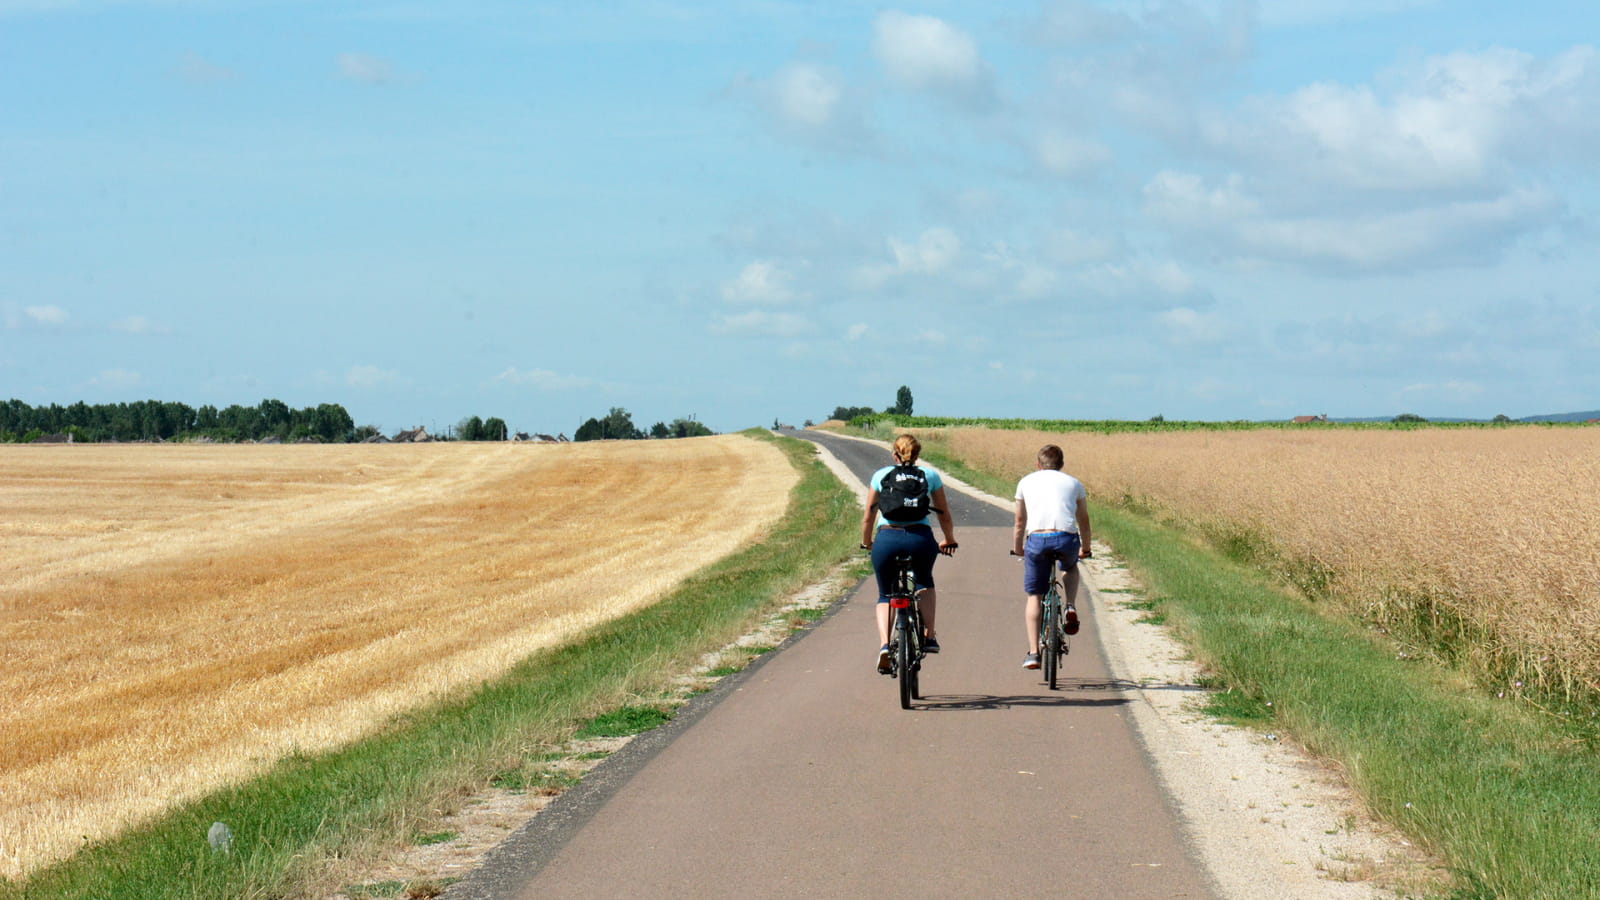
{"x":905,"y":633}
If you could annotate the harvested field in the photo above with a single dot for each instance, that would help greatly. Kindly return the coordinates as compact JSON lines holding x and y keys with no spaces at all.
{"x":175,"y":618}
{"x":1489,"y":538}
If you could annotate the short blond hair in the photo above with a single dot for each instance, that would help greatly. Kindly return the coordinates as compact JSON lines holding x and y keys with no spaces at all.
{"x":907,"y":449}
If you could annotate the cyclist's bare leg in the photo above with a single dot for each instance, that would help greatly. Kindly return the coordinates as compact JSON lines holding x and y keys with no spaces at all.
{"x":927,"y":602}
{"x":1069,"y":587}
{"x":1032,"y":612}
{"x":883,"y":623}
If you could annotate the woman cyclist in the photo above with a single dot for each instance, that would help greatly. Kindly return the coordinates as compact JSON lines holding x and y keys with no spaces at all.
{"x":888,"y":539}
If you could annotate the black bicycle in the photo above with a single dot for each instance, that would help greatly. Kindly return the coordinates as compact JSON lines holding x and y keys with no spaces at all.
{"x":1053,"y":642}
{"x":906,"y":650}
{"x":905,"y":632}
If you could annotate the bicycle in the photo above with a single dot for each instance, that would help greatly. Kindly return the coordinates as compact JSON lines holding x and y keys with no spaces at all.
{"x":1053,"y":642}
{"x":906,"y":650}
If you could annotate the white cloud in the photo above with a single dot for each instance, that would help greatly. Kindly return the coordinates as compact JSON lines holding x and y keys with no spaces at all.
{"x":928,"y":54}
{"x":1150,"y":283}
{"x":761,"y":283}
{"x":1448,"y":122}
{"x":365,"y":69}
{"x":811,"y":102}
{"x":1231,"y":218}
{"x":139,"y":325}
{"x":1186,"y":326}
{"x":760,"y":323}
{"x":808,"y":95}
{"x":856,"y":332}
{"x":45,"y":315}
{"x":542,"y":380}
{"x":934,"y":251}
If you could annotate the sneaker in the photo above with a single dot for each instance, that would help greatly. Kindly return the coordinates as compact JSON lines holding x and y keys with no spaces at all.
{"x":885,"y":663}
{"x":1070,"y":626}
{"x":930,"y":644}
{"x":1031,"y":661}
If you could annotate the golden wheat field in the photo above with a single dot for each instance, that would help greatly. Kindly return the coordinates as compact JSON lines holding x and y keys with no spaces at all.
{"x":1500,"y":526}
{"x":176,"y":617}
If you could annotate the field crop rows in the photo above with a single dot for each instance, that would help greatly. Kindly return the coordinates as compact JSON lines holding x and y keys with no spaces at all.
{"x":177,"y":617}
{"x":1483,"y":542}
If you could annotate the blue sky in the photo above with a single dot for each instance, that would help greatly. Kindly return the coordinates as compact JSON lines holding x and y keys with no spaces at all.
{"x":757,"y":210}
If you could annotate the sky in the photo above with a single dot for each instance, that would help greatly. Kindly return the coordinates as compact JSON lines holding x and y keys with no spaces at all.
{"x":752,"y":211}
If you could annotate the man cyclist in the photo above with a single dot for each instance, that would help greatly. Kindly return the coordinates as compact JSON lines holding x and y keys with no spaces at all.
{"x":888,"y":539}
{"x":1052,"y":523}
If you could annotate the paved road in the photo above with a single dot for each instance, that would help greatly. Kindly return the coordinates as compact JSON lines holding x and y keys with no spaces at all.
{"x":803,"y":777}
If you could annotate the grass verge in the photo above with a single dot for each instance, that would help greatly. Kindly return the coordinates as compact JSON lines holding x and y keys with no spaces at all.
{"x":308,"y":809}
{"x":1503,"y":794}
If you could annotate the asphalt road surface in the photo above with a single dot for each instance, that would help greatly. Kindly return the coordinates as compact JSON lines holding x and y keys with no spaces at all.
{"x":802,"y":777}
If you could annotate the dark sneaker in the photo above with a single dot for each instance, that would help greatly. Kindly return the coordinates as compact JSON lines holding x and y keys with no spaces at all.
{"x":885,"y":663}
{"x":1031,"y":661}
{"x":930,"y":644}
{"x":1070,"y":626}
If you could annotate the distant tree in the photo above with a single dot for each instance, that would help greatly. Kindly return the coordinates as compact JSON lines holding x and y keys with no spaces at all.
{"x":1408,"y":418}
{"x":902,"y":401}
{"x":469,"y":429}
{"x":660,"y":430}
{"x":363,"y":432}
{"x":591,"y":430}
{"x":1502,"y":419}
{"x":494,"y":429}
{"x":618,"y":425}
{"x":331,"y":423}
{"x":688,"y":428}
{"x":1158,"y":418}
{"x":846,"y":413}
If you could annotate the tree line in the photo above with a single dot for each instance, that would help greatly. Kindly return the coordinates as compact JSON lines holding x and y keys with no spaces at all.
{"x":901,"y":407}
{"x":155,"y":420}
{"x":618,"y":425}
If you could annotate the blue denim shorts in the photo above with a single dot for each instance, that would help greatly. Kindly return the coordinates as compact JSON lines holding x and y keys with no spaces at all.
{"x":1037,"y":552}
{"x":916,"y":540}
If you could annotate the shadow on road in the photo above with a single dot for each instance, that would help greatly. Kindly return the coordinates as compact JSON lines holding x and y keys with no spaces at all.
{"x":964,"y":702}
{"x":1070,"y":693}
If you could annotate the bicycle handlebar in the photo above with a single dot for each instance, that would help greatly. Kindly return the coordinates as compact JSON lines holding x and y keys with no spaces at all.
{"x":947,"y":549}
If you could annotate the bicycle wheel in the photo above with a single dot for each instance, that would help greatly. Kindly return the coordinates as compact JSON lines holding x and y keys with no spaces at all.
{"x":1050,"y":635}
{"x":916,"y":656}
{"x":904,"y":659}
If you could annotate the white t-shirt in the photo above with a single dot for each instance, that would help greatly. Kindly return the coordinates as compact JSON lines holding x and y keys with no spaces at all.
{"x":1051,"y":499}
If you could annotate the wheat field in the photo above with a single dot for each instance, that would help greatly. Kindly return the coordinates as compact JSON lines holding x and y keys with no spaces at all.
{"x":1498,"y":527}
{"x":174,"y":618}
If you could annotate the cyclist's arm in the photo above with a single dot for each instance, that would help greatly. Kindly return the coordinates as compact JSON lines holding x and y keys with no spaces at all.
{"x":1083,"y":528}
{"x":946,"y":523}
{"x":869,"y":518}
{"x":1019,"y":528}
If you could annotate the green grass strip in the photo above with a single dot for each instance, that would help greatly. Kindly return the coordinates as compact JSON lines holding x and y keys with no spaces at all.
{"x":1507,"y":797}
{"x":309,"y":808}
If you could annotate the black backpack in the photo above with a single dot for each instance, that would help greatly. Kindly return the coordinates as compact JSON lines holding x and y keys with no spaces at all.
{"x":904,"y":495}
